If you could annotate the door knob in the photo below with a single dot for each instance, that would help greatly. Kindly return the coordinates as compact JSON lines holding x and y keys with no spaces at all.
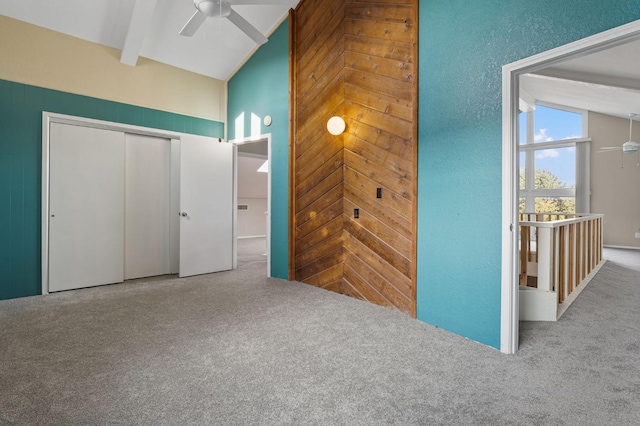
{"x":183,"y":214}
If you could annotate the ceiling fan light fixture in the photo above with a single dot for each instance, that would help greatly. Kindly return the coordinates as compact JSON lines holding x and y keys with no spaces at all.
{"x":213,"y":8}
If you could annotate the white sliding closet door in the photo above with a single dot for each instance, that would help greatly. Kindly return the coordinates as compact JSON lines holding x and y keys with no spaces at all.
{"x":86,"y":202}
{"x":147,"y":245}
{"x":206,"y":205}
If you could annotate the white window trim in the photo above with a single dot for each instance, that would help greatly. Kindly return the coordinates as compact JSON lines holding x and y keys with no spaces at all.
{"x":581,"y":191}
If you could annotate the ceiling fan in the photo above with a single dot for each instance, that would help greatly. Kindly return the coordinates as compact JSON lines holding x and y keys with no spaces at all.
{"x":222,"y":9}
{"x":629,"y":147}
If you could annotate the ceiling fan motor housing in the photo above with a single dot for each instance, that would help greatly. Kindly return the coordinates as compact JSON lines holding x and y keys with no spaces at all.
{"x":630,"y":147}
{"x":213,"y":8}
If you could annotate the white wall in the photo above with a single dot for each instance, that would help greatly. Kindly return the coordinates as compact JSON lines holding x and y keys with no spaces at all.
{"x":252,"y":192}
{"x":615,"y":191}
{"x":252,"y":222}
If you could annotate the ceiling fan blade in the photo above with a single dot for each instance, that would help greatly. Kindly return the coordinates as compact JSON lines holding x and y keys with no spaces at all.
{"x":601,"y":151}
{"x":259,"y":2}
{"x":193,"y":24}
{"x":247,"y":28}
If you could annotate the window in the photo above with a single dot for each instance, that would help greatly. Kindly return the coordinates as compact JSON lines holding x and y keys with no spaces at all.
{"x":554,"y":160}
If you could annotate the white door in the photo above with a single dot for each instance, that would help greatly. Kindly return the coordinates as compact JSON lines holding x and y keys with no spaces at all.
{"x":206,"y":205}
{"x":147,"y":245}
{"x":86,"y":204}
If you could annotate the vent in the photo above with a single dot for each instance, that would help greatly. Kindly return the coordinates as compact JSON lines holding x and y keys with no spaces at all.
{"x":243,"y":207}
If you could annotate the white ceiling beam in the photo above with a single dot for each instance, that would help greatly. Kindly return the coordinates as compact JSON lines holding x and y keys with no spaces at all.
{"x":138,"y":26}
{"x":586,"y":77}
{"x":527,"y":102}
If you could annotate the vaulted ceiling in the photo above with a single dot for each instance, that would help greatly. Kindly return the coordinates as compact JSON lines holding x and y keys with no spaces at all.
{"x":607,"y":82}
{"x":150,"y":28}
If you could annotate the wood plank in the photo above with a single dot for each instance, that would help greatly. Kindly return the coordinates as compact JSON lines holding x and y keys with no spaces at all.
{"x":368,"y":187}
{"x":377,"y":246}
{"x":323,"y":20}
{"x":306,"y":164}
{"x":328,"y":85}
{"x":318,"y":121}
{"x":398,"y":298}
{"x":323,"y":248}
{"x":400,"y":183}
{"x":319,"y":65}
{"x":318,"y":135}
{"x":400,"y":70}
{"x":385,"y":214}
{"x":387,"y":234}
{"x":379,"y":102}
{"x":395,"y":189}
{"x":382,"y":48}
{"x":368,"y":292}
{"x":348,"y":290}
{"x":380,"y":12}
{"x":383,"y":30}
{"x":330,"y":39}
{"x":320,"y":264}
{"x":378,"y":264}
{"x":334,"y":179}
{"x":377,"y":46}
{"x":313,"y":179}
{"x":388,"y":123}
{"x":378,"y":156}
{"x":319,"y":204}
{"x":322,"y":218}
{"x":401,"y":147}
{"x":377,"y":82}
{"x":327,"y":276}
{"x":325,"y":231}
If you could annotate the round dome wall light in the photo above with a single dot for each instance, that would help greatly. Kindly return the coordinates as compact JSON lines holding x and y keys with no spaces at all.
{"x":336,"y":125}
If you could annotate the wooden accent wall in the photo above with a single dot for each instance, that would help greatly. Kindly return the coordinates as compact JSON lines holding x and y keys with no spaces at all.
{"x":357,"y":60}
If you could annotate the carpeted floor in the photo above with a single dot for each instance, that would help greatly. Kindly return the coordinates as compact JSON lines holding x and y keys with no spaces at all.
{"x":627,"y":258}
{"x":237,"y":348}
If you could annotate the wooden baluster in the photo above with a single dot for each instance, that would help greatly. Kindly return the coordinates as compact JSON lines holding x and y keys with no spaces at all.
{"x":562,"y":266}
{"x":524,"y":254}
{"x":571,"y":265}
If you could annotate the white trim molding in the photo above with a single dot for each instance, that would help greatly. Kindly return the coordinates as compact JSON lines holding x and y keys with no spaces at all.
{"x":253,"y":139}
{"x":510,"y":101}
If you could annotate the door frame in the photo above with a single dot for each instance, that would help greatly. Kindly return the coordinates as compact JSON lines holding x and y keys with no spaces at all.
{"x":242,"y":141}
{"x":509,"y":317}
{"x":47,"y":119}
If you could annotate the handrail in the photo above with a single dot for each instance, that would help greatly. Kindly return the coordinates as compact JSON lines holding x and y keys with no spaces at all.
{"x":568,"y":247}
{"x":561,"y":222}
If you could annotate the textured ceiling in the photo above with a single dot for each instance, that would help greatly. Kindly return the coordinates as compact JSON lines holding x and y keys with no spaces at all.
{"x":216,"y":50}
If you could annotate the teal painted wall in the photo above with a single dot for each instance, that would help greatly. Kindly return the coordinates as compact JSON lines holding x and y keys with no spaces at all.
{"x":21,"y":109}
{"x":261,"y":87}
{"x":462,"y":47}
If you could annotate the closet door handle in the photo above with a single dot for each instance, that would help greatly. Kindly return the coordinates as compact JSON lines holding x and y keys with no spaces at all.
{"x":183,"y":214}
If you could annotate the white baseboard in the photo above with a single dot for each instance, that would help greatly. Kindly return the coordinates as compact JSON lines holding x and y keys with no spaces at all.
{"x":622,"y":247}
{"x":252,"y":236}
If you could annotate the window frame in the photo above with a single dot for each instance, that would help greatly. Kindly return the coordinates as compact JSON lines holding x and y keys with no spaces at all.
{"x":581,"y":191}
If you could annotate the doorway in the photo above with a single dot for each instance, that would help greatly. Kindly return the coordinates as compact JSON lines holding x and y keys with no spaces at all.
{"x":252,"y":203}
{"x":511,"y":74}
